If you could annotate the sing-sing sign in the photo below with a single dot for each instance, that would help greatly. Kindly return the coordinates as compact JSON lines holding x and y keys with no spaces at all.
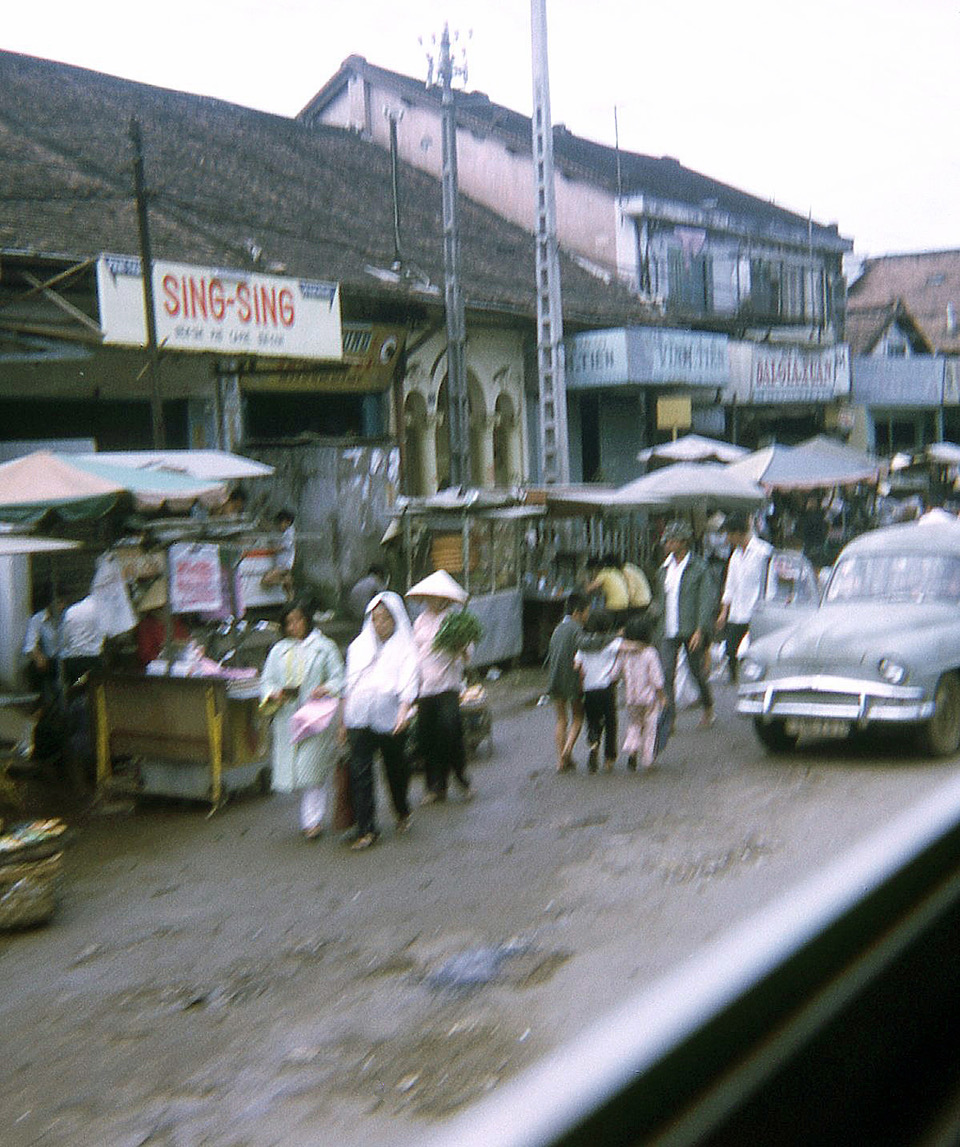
{"x":213,"y":309}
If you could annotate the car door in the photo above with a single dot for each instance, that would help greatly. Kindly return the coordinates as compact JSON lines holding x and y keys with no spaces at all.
{"x":791,"y":591}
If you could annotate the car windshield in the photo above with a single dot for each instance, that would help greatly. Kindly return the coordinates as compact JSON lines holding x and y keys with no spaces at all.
{"x":895,"y":577}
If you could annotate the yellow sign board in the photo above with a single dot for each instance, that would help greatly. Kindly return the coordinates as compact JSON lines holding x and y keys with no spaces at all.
{"x":369,"y":359}
{"x":674,"y":413}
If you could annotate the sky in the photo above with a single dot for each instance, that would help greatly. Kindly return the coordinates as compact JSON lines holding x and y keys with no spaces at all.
{"x":845,"y":109}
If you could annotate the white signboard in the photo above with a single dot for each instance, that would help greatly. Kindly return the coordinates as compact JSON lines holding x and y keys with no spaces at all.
{"x":213,"y":309}
{"x":789,"y":374}
{"x":196,"y":584}
{"x":641,"y":356}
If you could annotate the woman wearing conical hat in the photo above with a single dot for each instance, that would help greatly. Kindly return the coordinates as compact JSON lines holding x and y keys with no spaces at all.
{"x":439,"y":724}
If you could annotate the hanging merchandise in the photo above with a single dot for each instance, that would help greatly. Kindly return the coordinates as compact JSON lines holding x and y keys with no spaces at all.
{"x":196,"y":584}
{"x":109,"y":591}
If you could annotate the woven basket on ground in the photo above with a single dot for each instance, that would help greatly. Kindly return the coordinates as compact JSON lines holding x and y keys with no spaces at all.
{"x":28,"y":891}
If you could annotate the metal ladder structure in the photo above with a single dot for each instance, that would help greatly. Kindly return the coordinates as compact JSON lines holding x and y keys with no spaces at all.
{"x":554,"y":443}
{"x":457,"y":397}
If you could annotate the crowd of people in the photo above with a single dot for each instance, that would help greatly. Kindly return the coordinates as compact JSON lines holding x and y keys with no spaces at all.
{"x":322,"y":705}
{"x":618,"y":633}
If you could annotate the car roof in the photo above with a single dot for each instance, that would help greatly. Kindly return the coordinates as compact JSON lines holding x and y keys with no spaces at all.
{"x":910,"y":537}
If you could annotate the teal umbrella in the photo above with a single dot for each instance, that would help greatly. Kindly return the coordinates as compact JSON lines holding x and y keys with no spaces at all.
{"x":151,"y":488}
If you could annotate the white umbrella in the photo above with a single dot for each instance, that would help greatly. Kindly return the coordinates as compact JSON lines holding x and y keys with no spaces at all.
{"x":818,"y":462}
{"x":703,"y":486}
{"x":693,"y":448}
{"x":690,"y":485}
{"x":946,"y":453}
{"x":12,"y":545}
{"x":204,"y":465}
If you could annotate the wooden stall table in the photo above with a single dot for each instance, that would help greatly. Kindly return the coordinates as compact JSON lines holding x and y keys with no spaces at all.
{"x":197,"y":738}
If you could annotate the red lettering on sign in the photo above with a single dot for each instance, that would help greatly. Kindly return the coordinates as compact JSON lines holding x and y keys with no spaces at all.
{"x":171,"y":304}
{"x":287,"y":312}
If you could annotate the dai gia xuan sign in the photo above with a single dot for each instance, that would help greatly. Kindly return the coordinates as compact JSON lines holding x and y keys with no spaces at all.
{"x":791,"y":374}
{"x":215,"y":309}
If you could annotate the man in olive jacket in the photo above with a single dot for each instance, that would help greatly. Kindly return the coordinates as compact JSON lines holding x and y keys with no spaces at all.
{"x":685,"y":601}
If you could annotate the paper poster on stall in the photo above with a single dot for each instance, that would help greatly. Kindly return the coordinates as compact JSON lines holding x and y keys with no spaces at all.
{"x":196,"y":585}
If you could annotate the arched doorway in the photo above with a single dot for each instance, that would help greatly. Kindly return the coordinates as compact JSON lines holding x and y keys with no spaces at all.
{"x":415,"y":478}
{"x":506,"y":445}
{"x":478,"y":428}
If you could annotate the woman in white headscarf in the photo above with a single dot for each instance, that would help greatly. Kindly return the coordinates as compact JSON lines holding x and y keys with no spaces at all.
{"x":380,"y":688}
{"x":303,"y":666}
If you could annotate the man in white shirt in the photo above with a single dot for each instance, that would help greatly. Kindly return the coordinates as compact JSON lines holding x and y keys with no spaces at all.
{"x":81,"y":639}
{"x":685,"y":603}
{"x":743,"y":586}
{"x":41,"y":645}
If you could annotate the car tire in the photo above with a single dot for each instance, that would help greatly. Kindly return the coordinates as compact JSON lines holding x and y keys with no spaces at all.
{"x":773,"y":735}
{"x":940,"y":736}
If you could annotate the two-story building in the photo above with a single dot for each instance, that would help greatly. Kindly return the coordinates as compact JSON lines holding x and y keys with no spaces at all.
{"x":705,"y":258}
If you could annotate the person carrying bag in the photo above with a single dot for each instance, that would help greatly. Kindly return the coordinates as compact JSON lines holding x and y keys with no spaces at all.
{"x":380,"y":689}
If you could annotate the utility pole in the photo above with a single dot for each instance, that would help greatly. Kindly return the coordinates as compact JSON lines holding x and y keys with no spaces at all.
{"x":554,"y":443}
{"x":458,"y":410}
{"x":146,"y":266}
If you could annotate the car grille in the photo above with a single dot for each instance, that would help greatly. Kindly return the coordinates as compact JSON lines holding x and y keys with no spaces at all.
{"x":814,"y":697}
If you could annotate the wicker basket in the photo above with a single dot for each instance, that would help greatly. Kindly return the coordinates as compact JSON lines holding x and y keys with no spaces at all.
{"x":28,"y":891}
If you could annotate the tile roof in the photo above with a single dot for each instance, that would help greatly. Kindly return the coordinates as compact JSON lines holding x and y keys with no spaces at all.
{"x":663,"y":178}
{"x":316,"y":201}
{"x":927,"y":283}
{"x":864,"y":326}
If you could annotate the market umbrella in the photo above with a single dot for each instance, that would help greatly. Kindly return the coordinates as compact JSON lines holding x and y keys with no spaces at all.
{"x":819,"y":462}
{"x":207,"y":465}
{"x":693,"y":448}
{"x":151,"y":489}
{"x":946,"y":453}
{"x":16,"y":545}
{"x":41,"y":482}
{"x":703,"y":486}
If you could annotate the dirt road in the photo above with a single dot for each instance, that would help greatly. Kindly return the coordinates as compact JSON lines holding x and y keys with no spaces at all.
{"x":220,"y":981}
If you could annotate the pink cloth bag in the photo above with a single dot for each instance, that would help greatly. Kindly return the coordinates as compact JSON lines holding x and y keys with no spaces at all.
{"x":312,"y":718}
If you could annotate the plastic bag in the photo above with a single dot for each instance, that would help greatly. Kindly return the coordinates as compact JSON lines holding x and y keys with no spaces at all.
{"x":684,"y":687}
{"x":312,"y":718}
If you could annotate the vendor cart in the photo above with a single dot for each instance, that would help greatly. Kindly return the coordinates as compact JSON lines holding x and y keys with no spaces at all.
{"x":478,"y":537}
{"x":198,"y":738}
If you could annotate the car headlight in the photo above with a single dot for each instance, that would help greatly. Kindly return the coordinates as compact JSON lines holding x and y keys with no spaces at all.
{"x":751,"y":670}
{"x":892,"y":671}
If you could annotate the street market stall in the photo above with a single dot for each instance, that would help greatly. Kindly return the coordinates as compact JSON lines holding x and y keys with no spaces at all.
{"x":191,"y":724}
{"x":478,"y":537}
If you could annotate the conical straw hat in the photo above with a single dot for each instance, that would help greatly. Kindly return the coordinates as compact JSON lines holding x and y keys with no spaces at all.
{"x":438,"y":584}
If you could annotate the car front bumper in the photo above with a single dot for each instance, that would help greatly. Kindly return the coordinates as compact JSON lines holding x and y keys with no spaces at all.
{"x":825,"y":697}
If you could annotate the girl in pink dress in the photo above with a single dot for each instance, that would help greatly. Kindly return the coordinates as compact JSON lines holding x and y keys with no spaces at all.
{"x":643,"y":692}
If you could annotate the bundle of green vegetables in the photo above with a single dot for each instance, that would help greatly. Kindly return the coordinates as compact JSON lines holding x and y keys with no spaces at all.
{"x":458,"y":629}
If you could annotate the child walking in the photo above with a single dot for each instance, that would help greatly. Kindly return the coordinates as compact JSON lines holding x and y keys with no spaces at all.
{"x":564,"y":680}
{"x":643,"y":691}
{"x":596,"y":659}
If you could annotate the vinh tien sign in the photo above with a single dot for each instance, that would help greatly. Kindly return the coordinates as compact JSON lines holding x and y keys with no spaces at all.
{"x":213,"y":309}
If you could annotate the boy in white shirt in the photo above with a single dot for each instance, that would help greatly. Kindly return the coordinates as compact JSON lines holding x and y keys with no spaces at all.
{"x":596,"y":661}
